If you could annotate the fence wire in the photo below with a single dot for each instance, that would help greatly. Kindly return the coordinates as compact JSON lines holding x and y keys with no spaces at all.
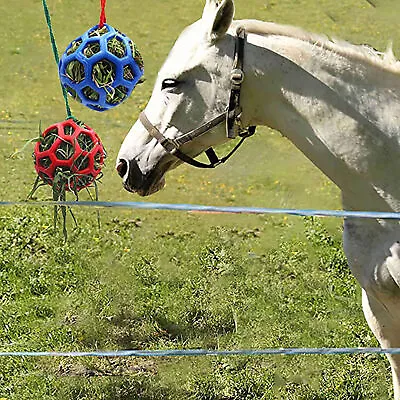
{"x":205,"y":352}
{"x":210,"y":209}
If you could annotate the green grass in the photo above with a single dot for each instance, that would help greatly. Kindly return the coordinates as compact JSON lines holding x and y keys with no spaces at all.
{"x":163,"y":280}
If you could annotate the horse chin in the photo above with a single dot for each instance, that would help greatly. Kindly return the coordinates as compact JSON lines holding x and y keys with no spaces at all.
{"x":147,"y":190}
{"x":155,"y":187}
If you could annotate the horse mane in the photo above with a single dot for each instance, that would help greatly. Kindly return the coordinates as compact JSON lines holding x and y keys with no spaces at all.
{"x":363,"y":53}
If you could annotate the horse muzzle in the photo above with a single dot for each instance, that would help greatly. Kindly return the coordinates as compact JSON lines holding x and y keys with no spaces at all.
{"x":135,"y":181}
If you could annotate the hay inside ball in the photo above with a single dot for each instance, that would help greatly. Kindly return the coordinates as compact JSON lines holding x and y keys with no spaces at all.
{"x":69,"y":156}
{"x":101,"y":68}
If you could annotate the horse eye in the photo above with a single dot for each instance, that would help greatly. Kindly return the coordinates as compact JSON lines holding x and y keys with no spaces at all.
{"x":169,"y":83}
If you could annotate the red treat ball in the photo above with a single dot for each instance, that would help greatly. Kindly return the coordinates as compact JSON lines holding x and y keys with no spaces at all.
{"x":71,"y":152}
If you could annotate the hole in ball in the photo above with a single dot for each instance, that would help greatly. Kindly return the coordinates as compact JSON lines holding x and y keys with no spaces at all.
{"x":85,"y":142}
{"x":98,"y":161}
{"x":103,"y":73}
{"x":128,"y":73}
{"x":90,"y":94}
{"x":91,"y":49}
{"x":65,"y":151}
{"x":69,"y":130}
{"x":98,"y":31}
{"x":118,"y":96}
{"x":47,"y":141}
{"x":73,"y":46}
{"x":45,"y":162}
{"x":75,"y":71}
{"x":81,"y":162}
{"x":117,"y":47}
{"x":136,"y":55}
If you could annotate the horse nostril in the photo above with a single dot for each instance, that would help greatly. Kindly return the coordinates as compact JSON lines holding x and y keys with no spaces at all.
{"x":122,"y":168}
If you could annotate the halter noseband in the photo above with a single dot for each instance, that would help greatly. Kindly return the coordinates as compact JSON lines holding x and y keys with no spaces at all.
{"x":232,"y":118}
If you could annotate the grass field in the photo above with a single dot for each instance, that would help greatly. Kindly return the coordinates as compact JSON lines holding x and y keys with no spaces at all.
{"x":163,"y":280}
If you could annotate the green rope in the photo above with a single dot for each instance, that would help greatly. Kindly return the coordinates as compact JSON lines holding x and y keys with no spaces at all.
{"x":56,"y":57}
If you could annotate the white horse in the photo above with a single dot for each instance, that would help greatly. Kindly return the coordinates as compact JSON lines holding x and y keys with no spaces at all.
{"x":338,"y":103}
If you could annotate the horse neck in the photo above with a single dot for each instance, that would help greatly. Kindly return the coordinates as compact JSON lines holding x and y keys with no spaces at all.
{"x":340,"y":111}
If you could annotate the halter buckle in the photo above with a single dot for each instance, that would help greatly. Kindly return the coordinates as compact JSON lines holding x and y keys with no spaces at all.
{"x":169,"y":145}
{"x":237,"y":76}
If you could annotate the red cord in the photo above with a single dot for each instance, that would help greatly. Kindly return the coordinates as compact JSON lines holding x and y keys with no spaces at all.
{"x":103,"y":13}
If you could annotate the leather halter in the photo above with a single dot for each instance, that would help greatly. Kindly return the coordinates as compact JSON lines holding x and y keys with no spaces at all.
{"x":232,"y":118}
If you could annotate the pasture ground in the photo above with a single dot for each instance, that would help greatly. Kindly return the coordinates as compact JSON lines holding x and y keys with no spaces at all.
{"x":160,"y":280}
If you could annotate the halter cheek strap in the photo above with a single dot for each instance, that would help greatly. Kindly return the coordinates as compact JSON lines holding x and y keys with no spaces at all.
{"x":172,"y":145}
{"x":232,"y":118}
{"x":234,"y":113}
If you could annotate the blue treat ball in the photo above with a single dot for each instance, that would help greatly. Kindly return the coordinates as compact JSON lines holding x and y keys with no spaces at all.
{"x":101,"y":68}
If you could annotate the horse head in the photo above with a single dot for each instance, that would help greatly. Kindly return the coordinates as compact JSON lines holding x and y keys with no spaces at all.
{"x":190,"y":90}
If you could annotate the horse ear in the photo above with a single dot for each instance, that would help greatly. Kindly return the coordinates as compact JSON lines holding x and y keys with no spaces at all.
{"x":218,"y":15}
